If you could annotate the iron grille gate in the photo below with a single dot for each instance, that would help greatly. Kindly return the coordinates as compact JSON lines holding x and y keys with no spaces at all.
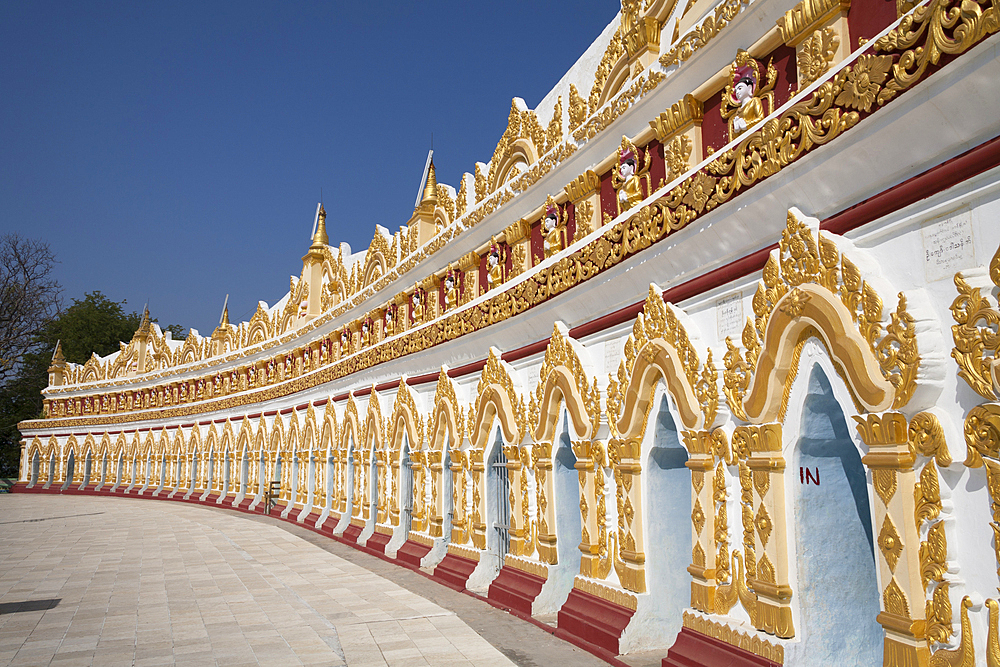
{"x":407,"y":489}
{"x":502,"y":503}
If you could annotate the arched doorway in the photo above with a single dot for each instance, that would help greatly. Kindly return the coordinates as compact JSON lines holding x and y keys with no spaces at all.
{"x":497,"y":502}
{"x":836,"y":587}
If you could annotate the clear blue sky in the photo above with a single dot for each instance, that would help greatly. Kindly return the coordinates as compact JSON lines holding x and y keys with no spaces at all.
{"x":175,"y":151}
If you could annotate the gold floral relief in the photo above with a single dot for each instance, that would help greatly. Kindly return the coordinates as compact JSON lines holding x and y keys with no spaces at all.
{"x":977,"y":343}
{"x":890,"y":543}
{"x":815,"y":55}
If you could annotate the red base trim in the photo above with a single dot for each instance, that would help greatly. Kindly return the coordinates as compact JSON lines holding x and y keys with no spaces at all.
{"x":352,"y":533}
{"x":693,"y":649}
{"x":245,"y":504}
{"x":377,"y":542}
{"x":453,"y":571}
{"x":591,"y":619}
{"x":411,"y":553}
{"x":515,"y":589}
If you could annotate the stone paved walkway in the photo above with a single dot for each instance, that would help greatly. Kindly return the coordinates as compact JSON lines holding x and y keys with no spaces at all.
{"x":110,"y":581}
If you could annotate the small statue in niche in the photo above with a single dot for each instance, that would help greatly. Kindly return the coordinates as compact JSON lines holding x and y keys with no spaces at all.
{"x":345,"y":342}
{"x":417,"y":306}
{"x":627,"y":178}
{"x":390,"y":324}
{"x":450,"y":290}
{"x":494,"y":267}
{"x":745,"y":102}
{"x":366,"y":336}
{"x":553,"y":228}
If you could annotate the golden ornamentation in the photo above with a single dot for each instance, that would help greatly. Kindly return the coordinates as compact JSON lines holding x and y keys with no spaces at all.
{"x":927,"y":493}
{"x":982,"y":434}
{"x":884,"y":481}
{"x":816,"y":54}
{"x":977,"y":345}
{"x":993,"y":635}
{"x":927,"y":438}
{"x":677,"y":154}
{"x":613,"y":595}
{"x":806,"y":16}
{"x":561,"y":352}
{"x":860,"y":85}
{"x":894,"y":600}
{"x":942,"y":29}
{"x":680,"y":116}
{"x":965,"y":654}
{"x":724,"y":633}
{"x":993,"y":484}
{"x":577,"y":108}
{"x":890,"y":543}
{"x":697,"y":517}
{"x":584,"y":216}
{"x":612,"y":54}
{"x":622,"y":103}
{"x":495,"y":384}
{"x":938,"y":614}
{"x":934,"y":556}
{"x":696,"y":38}
{"x":799,"y":263}
{"x":764,"y":525}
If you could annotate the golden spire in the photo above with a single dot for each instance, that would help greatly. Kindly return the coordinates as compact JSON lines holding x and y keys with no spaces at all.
{"x":225,"y":317}
{"x":320,"y":238}
{"x":144,"y":325}
{"x":430,"y":188}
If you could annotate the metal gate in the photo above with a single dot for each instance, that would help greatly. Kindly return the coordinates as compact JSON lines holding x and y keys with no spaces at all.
{"x":406,"y":509}
{"x":501,"y":501}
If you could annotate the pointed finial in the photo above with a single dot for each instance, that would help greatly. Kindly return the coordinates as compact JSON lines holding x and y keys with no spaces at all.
{"x":57,"y":354}
{"x":144,"y":325}
{"x":430,"y":187}
{"x":224,"y":320}
{"x":320,"y":238}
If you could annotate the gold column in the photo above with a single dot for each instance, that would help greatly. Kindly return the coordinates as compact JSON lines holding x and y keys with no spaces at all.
{"x":381,"y":480}
{"x":478,"y":470}
{"x":703,"y":556}
{"x":545,"y":489}
{"x":435,"y":465}
{"x":891,"y":460}
{"x":394,"y":463}
{"x":519,"y":526}
{"x":630,"y":562}
{"x":418,"y":517}
{"x":588,"y":458}
{"x":761,"y":446}
{"x":459,"y":528}
{"x":585,"y":193}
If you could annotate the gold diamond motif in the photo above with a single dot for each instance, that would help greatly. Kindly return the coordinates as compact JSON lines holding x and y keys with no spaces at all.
{"x":764,"y":526}
{"x":698,"y":517}
{"x":889,"y":543}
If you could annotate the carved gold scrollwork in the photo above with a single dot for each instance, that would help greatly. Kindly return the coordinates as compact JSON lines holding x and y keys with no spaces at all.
{"x":800,"y":280}
{"x":977,"y":343}
{"x":941,"y":27}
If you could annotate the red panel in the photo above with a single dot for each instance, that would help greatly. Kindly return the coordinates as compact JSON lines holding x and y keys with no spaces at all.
{"x":657,"y":165}
{"x":593,"y":620}
{"x":693,"y":649}
{"x":867,"y":18}
{"x":352,"y":533}
{"x":608,"y":204}
{"x":714,"y":130}
{"x":376,"y":543}
{"x":783,"y":59}
{"x":570,"y":212}
{"x":537,"y":245}
{"x":515,"y":589}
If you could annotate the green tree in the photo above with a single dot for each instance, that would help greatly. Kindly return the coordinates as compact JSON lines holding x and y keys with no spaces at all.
{"x":95,"y":324}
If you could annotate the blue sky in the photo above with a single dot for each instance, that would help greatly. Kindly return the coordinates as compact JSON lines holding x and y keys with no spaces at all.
{"x":174,"y":152}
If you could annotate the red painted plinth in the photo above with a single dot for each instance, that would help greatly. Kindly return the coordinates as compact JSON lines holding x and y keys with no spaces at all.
{"x":454,"y":571}
{"x":352,"y":533}
{"x":588,"y":618}
{"x":515,"y":589}
{"x":245,"y":504}
{"x":22,"y":487}
{"x":411,"y":553}
{"x":376,"y":543}
{"x":212,"y":499}
{"x":693,"y":649}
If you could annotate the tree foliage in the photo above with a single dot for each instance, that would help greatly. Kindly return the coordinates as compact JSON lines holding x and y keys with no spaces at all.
{"x":29,"y":296}
{"x":95,"y":324}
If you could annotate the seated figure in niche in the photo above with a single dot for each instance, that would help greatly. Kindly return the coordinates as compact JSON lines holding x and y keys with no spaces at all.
{"x":366,"y":336}
{"x":345,"y":343}
{"x":494,"y":267}
{"x":450,"y":290}
{"x":389,"y":322}
{"x":627,"y":178}
{"x":553,"y":228}
{"x":745,"y":102}
{"x":418,"y":309}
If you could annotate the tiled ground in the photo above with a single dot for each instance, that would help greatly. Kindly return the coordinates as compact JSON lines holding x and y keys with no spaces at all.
{"x":133,"y":582}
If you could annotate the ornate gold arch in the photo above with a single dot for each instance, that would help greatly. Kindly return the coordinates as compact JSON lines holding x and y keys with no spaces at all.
{"x":447,"y":421}
{"x":329,"y":434}
{"x":276,"y":436}
{"x":659,"y":348}
{"x":259,"y":328}
{"x":378,"y":259}
{"x":405,"y":417}
{"x":809,"y":290}
{"x":350,"y":432}
{"x":497,"y":397}
{"x":563,"y":378}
